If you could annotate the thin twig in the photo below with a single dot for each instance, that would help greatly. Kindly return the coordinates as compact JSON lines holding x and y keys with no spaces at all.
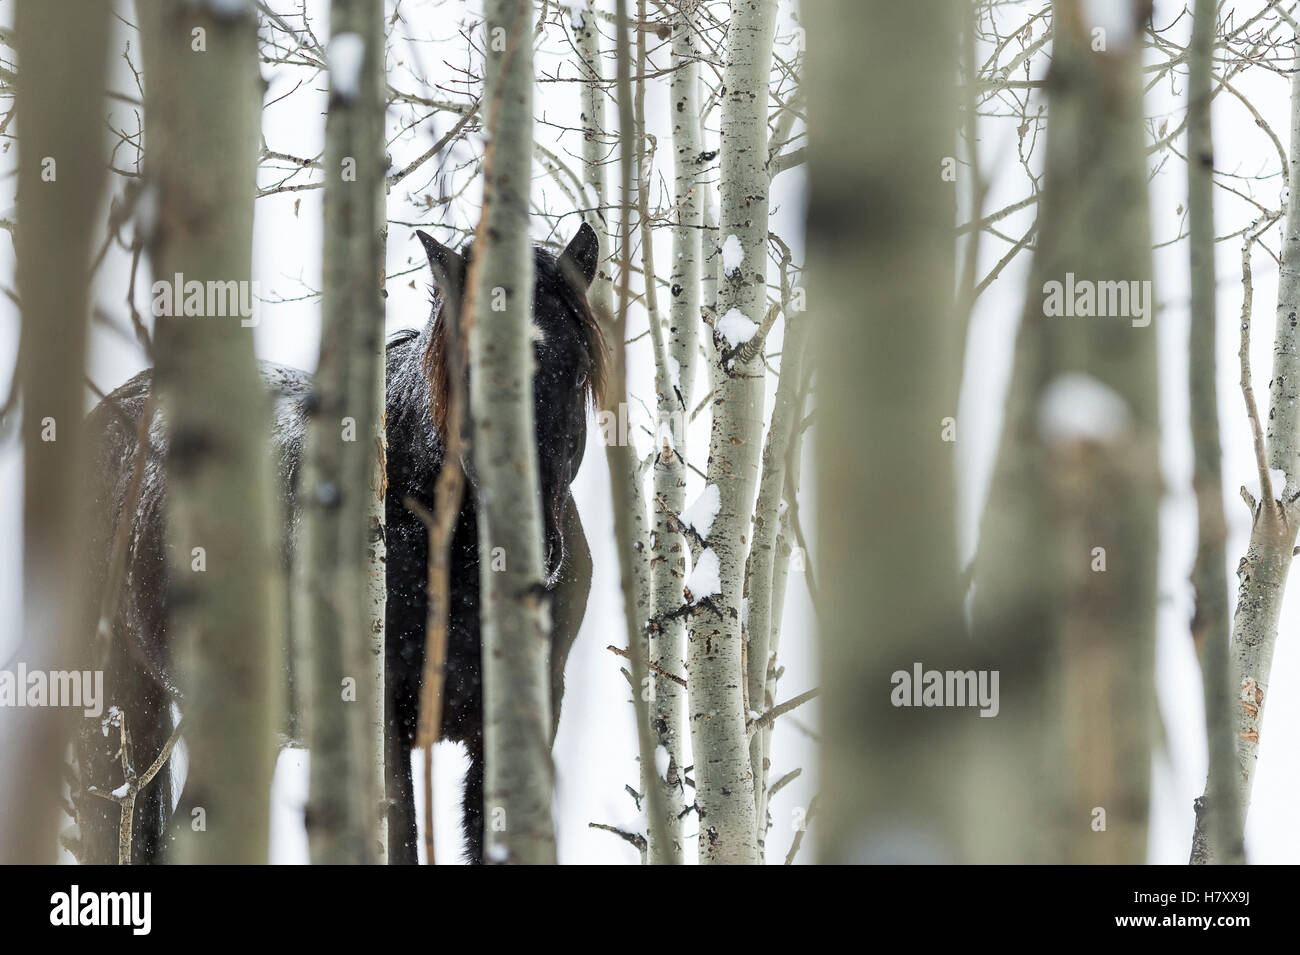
{"x":769,"y":717}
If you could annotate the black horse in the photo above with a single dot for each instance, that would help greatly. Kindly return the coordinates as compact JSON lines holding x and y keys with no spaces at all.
{"x":139,"y":675}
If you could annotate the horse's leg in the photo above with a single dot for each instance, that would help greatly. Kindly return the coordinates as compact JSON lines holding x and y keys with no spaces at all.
{"x":153,"y":805}
{"x":401,"y":707}
{"x":147,"y":714}
{"x":97,"y":818}
{"x":402,"y":833}
{"x":473,"y":803}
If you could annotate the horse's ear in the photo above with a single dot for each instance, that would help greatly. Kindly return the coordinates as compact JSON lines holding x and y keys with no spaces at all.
{"x":581,"y":255}
{"x":448,"y":267}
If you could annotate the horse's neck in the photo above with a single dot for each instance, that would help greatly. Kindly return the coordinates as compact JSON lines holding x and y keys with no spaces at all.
{"x":414,"y":447}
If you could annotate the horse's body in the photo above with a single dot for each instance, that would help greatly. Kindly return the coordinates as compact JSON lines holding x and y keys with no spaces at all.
{"x":140,"y":677}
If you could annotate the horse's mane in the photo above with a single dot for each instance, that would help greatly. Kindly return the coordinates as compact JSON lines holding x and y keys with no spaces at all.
{"x":435,"y":360}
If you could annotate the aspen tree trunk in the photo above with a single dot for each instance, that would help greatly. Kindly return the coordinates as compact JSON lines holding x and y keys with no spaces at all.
{"x":62,"y":50}
{"x":761,"y":577}
{"x":765,"y":577}
{"x":668,"y":558}
{"x":668,"y":780}
{"x":1263,"y":571}
{"x":783,"y":551}
{"x":516,"y":620}
{"x":1065,"y":585}
{"x":880,"y":258}
{"x":631,"y":529}
{"x":723,"y":776}
{"x":202,"y":117}
{"x":709,"y":277}
{"x":595,"y":150}
{"x":651,"y":776}
{"x":376,"y":600}
{"x":1210,"y":623}
{"x":342,"y":546}
{"x":620,"y":457}
{"x":631,"y":525}
{"x":783,"y":540}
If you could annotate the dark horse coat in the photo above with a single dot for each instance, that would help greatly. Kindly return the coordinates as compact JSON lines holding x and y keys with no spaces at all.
{"x":140,"y":678}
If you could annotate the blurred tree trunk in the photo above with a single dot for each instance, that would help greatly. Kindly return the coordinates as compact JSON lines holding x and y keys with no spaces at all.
{"x":342,"y":487}
{"x":1065,"y":585}
{"x":881,"y":262}
{"x":516,"y":686}
{"x":202,"y":120}
{"x":724,"y":780}
{"x":1218,"y":812}
{"x":63,"y":50}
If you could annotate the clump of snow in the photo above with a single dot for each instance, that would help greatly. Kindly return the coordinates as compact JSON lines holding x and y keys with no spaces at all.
{"x":703,"y":511}
{"x":121,"y":791}
{"x":662,"y":761}
{"x":736,"y":328}
{"x":733,"y":254}
{"x":1079,"y":408}
{"x":665,"y":442}
{"x":674,"y":372}
{"x":1276,"y":477}
{"x":577,"y":18}
{"x":111,"y":721}
{"x":706,"y":577}
{"x":347,"y":51}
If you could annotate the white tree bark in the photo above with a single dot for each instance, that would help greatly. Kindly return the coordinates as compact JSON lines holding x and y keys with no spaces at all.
{"x":595,"y":149}
{"x":631,"y":523}
{"x":202,"y":118}
{"x":1263,"y":571}
{"x":761,"y":578}
{"x":519,"y":780}
{"x":766,"y":575}
{"x":784,"y":546}
{"x":674,"y":386}
{"x":723,"y":775}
